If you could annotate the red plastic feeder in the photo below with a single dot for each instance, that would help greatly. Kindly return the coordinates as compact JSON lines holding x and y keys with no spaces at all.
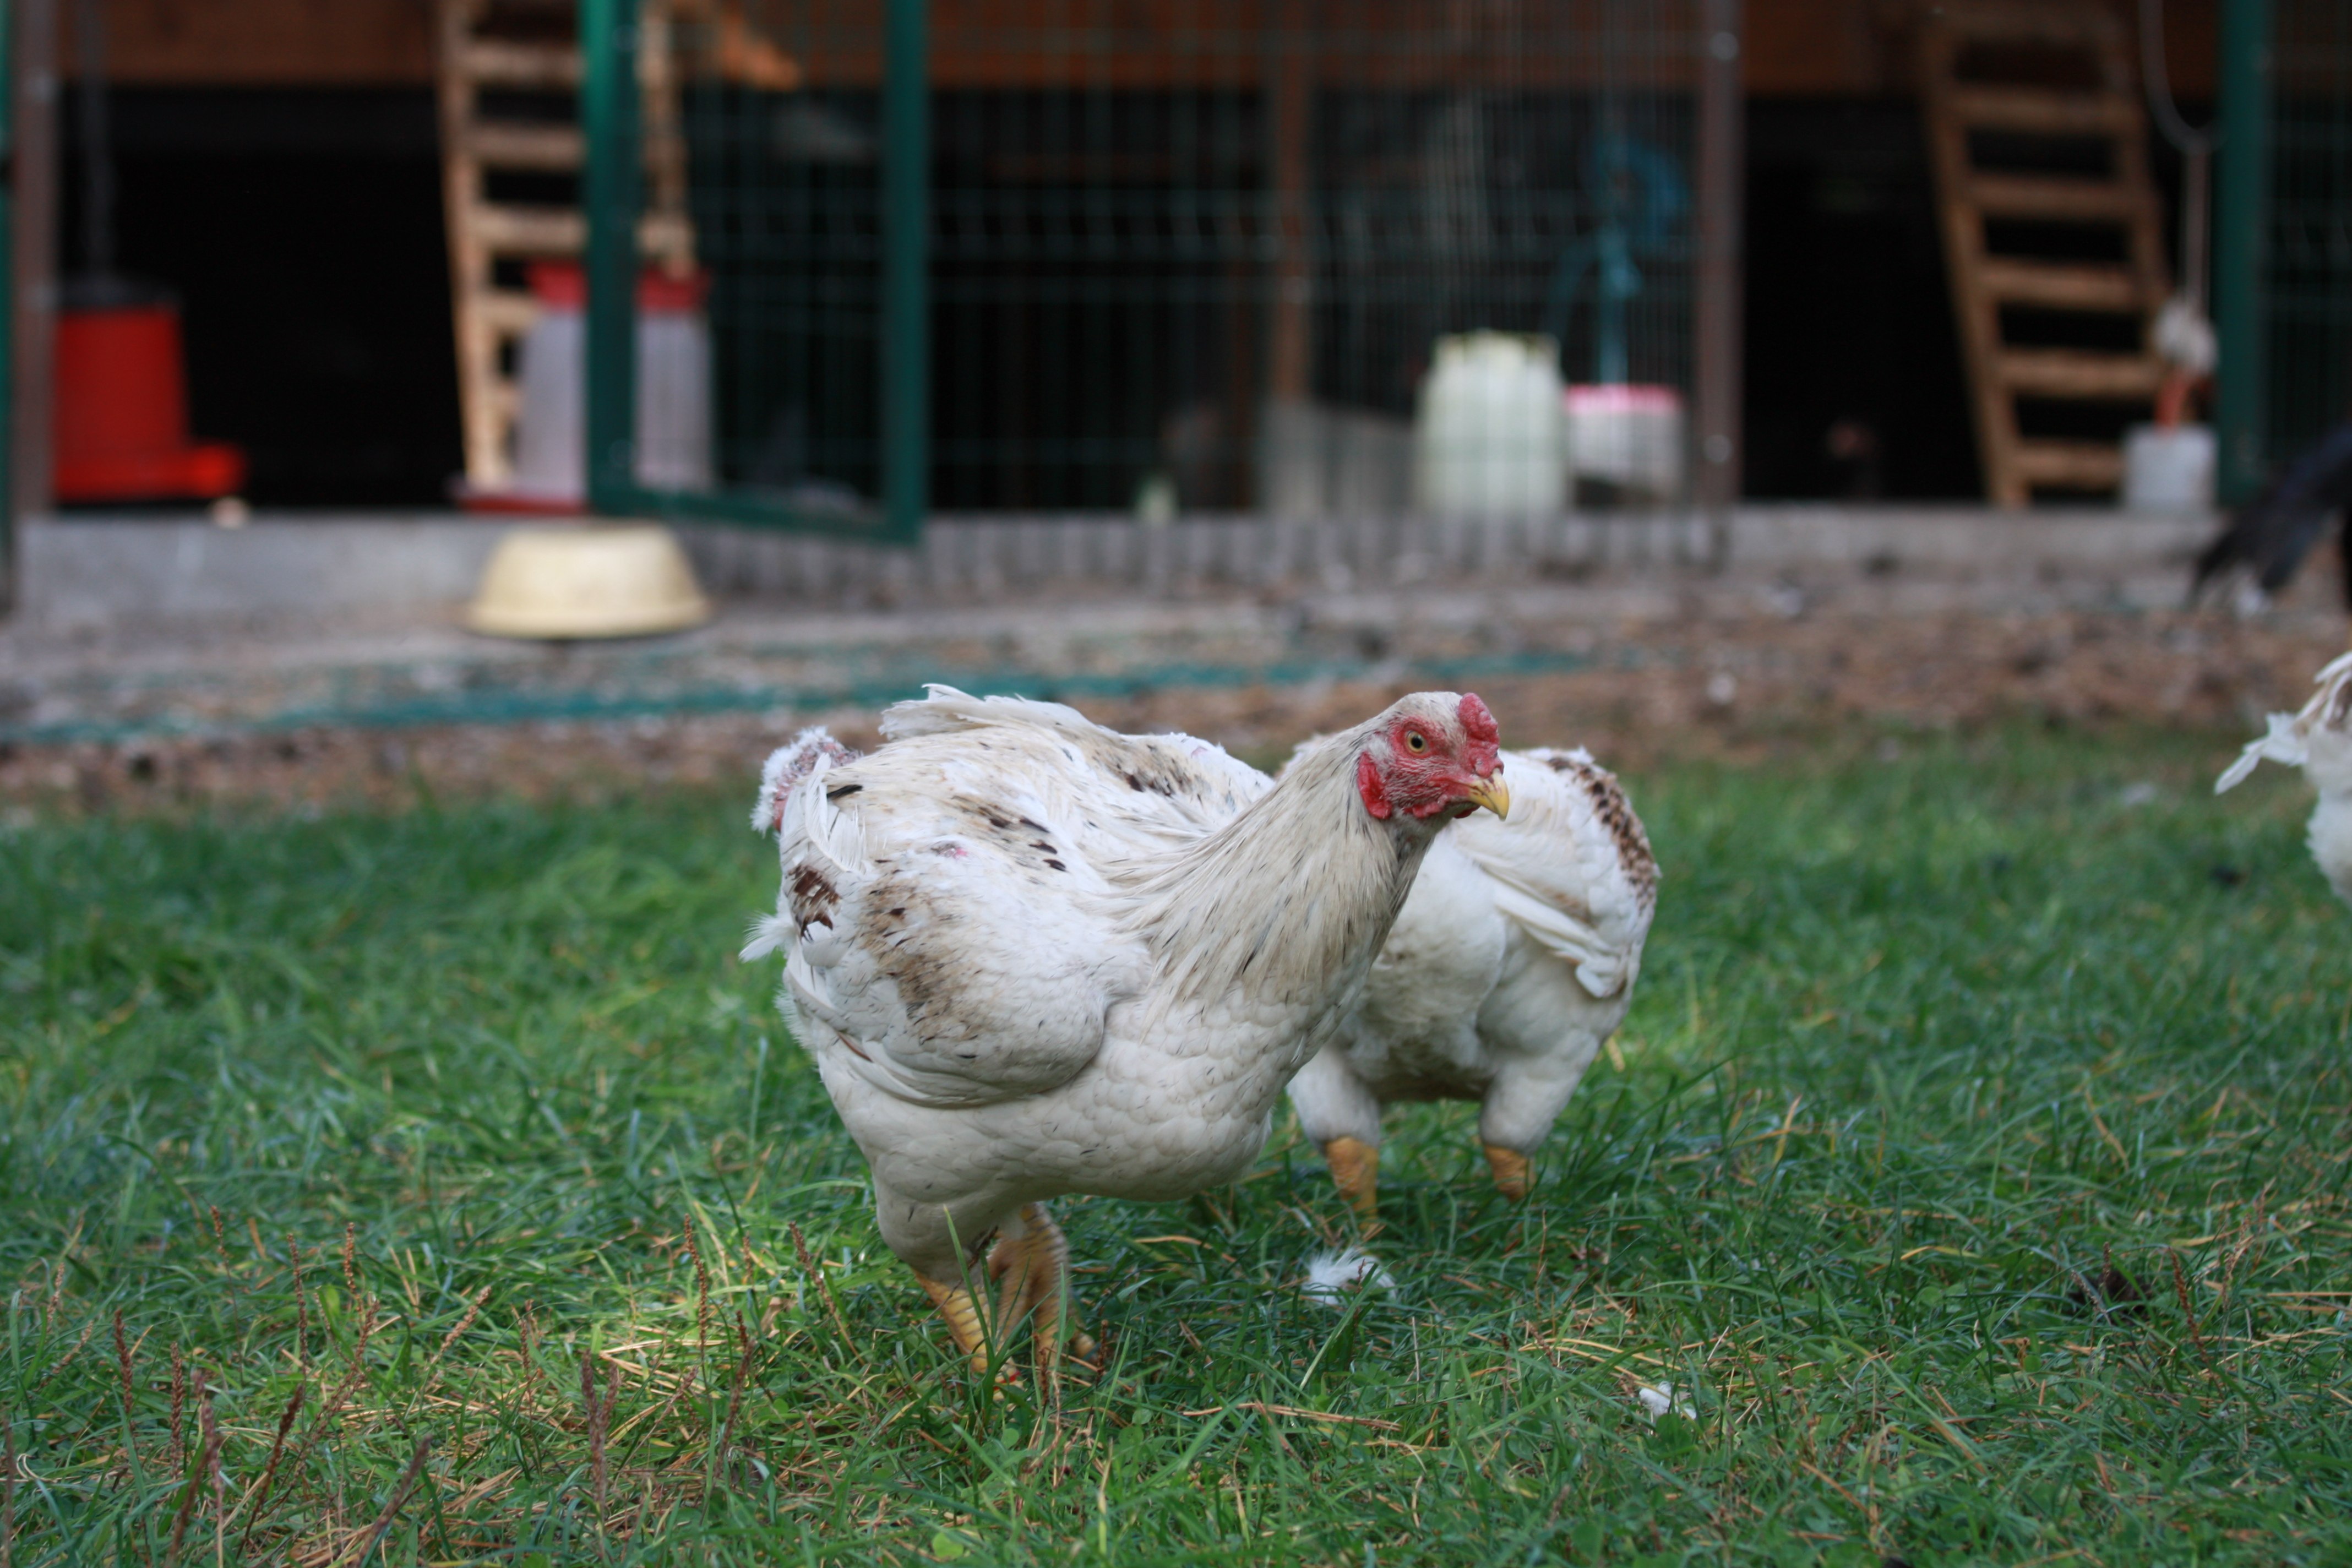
{"x":121,"y":410}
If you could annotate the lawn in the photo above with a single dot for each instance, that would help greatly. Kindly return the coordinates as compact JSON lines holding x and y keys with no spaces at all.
{"x":439,"y":1185}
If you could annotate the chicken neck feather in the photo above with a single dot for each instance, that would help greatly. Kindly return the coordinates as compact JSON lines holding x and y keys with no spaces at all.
{"x":1287,"y":903}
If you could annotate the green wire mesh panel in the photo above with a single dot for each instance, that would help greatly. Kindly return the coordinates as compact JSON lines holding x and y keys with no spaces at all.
{"x":7,"y":339}
{"x":784,"y":186}
{"x":2308,"y":285}
{"x":1194,"y":253}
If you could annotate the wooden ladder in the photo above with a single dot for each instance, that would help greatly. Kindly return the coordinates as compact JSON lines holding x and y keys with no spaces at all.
{"x":524,"y":52}
{"x":1986,"y":283}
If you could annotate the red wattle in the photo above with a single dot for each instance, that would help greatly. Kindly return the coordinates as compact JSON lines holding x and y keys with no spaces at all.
{"x":1369,"y":785}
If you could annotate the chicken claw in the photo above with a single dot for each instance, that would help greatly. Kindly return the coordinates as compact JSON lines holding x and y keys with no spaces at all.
{"x":962,"y":1315}
{"x":1511,"y":1170}
{"x":1356,"y":1168}
{"x":1032,"y":1264}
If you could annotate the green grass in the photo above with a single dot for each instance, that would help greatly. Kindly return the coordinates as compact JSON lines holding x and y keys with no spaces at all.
{"x":1923,"y":1049}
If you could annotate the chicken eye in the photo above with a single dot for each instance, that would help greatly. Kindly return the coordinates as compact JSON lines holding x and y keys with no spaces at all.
{"x":1414,"y":742}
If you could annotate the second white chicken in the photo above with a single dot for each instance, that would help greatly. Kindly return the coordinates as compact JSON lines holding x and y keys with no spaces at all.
{"x":1510,"y":967}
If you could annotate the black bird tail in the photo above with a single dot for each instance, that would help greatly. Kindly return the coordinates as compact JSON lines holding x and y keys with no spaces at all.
{"x":2273,"y":533}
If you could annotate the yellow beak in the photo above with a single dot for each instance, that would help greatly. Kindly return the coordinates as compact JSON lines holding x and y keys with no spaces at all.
{"x":1491,"y":793}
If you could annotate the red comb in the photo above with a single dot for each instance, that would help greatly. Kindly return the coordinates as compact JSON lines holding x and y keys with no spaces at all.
{"x":1485,"y":736}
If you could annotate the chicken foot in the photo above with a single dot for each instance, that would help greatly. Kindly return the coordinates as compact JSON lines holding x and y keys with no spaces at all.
{"x":1032,"y":1262}
{"x":955,"y":1304}
{"x":1511,"y":1170}
{"x":1356,"y":1171}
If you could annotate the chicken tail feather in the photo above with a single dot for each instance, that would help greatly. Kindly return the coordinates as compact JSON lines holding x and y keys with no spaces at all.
{"x":2287,"y":736}
{"x":788,"y":765}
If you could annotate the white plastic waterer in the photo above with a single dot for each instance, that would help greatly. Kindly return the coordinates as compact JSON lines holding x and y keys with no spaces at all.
{"x":2168,"y":468}
{"x":673,"y":388}
{"x":1487,"y":437}
{"x":1628,"y":437}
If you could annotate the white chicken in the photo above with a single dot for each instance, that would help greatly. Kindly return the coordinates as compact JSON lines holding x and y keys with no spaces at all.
{"x":2318,"y":739}
{"x":1032,"y":956}
{"x":1510,"y":967}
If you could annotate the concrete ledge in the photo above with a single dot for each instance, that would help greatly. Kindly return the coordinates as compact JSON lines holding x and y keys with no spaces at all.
{"x":99,"y":572}
{"x":1972,"y":540}
{"x":981,"y":559}
{"x":107,"y":572}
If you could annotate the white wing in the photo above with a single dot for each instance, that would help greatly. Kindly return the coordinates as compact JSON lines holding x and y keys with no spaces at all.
{"x":1571,"y":866}
{"x":950,"y":963}
{"x":949,"y":930}
{"x":2287,"y":735}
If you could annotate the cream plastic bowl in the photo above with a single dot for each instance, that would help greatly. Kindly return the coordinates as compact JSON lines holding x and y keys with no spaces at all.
{"x":566,"y":583}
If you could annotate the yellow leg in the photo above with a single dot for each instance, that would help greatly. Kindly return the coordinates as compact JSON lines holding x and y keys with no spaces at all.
{"x":962,"y":1315}
{"x":1356,"y":1167}
{"x":1511,"y":1171}
{"x":1034,"y":1269}
{"x":1017,"y":1266}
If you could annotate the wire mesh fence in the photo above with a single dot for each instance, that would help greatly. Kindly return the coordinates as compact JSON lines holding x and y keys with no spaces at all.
{"x":1289,"y":256}
{"x":785,"y":191}
{"x":2308,"y":286}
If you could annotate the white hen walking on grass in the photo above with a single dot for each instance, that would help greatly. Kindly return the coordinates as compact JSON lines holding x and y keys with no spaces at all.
{"x":1032,"y":956}
{"x":1512,"y":964}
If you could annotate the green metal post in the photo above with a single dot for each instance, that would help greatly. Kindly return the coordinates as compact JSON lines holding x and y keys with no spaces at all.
{"x":608,"y":37}
{"x":2241,"y":245}
{"x":906,"y":269}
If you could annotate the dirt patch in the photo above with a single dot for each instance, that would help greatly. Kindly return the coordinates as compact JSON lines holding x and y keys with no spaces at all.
{"x":1748,"y":687}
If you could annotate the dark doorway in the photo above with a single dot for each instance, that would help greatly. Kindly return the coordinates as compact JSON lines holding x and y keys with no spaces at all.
{"x":1854,"y":382}
{"x":302,"y":231}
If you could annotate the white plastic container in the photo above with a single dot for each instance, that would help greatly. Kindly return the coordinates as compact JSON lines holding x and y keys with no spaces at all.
{"x":2169,"y":468}
{"x":551,"y":434}
{"x":673,"y":389}
{"x":1629,"y":436}
{"x":673,"y":397}
{"x":1487,"y":437}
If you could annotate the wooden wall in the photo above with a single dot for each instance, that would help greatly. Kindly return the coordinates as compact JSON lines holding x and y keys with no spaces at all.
{"x":1861,"y":49}
{"x":263,"y":43}
{"x":1796,"y":48}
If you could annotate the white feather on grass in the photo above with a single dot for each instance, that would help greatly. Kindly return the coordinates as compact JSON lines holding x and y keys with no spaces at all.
{"x":1664,"y":1399}
{"x":1331,"y":1275}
